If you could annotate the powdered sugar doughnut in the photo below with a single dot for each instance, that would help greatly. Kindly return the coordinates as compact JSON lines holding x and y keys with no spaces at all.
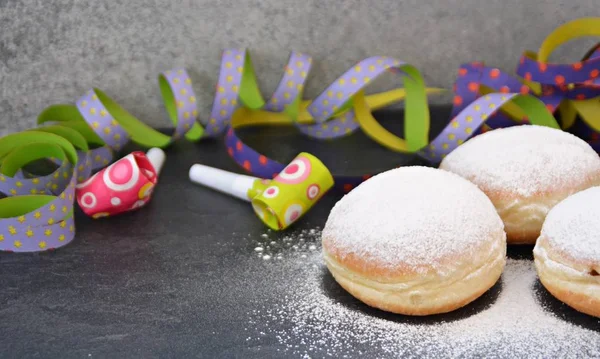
{"x":567,"y":253}
{"x":415,"y":241}
{"x":525,"y":171}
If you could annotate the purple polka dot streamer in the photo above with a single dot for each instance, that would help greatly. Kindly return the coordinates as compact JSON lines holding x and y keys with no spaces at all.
{"x":464,"y":125}
{"x":470,"y":111}
{"x":48,"y":227}
{"x":323,"y":109}
{"x":185,"y":100}
{"x":579,"y":81}
{"x":101,"y":121}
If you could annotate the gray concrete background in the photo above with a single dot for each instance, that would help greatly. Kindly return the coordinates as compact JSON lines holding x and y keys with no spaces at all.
{"x":51,"y":51}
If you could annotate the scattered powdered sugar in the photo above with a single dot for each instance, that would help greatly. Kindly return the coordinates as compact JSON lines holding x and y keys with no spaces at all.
{"x":413,"y":216}
{"x":274,"y":245}
{"x":316,"y":318}
{"x":524,"y":160}
{"x":573,"y":225}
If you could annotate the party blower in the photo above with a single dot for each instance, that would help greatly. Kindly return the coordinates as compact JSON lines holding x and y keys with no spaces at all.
{"x":278,"y":202}
{"x":124,"y":186}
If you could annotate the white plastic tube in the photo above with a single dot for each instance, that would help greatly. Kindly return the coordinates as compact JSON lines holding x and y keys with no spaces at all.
{"x":157,"y":157}
{"x":226,"y":182}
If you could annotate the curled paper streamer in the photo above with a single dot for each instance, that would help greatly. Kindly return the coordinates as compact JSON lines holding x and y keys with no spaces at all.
{"x":338,"y":111}
{"x":279,"y":202}
{"x":37,"y":215}
{"x":124,"y":186}
{"x":347,"y":93}
{"x":484,"y":98}
{"x":570,"y":90}
{"x":576,"y":85}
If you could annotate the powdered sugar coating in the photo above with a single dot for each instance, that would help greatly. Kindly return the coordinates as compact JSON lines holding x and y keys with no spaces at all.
{"x":524,"y":160}
{"x":413,"y":216}
{"x":573,"y":226}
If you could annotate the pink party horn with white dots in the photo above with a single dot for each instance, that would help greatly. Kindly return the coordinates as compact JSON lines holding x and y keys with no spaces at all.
{"x":278,"y":202}
{"x":124,"y":186}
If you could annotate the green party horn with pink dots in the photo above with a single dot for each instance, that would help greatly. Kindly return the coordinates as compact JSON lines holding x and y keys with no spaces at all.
{"x":279,"y":202}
